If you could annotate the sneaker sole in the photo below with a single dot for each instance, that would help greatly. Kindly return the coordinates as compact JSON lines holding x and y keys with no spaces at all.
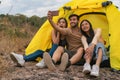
{"x":86,"y":72}
{"x":15,"y":60}
{"x":94,"y":75}
{"x":64,"y":62}
{"x":48,"y":61}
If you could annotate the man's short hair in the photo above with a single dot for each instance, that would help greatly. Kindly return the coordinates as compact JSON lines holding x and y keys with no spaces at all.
{"x":74,"y":15}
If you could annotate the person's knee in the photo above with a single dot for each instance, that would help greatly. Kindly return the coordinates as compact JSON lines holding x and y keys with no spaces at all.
{"x":99,"y":45}
{"x":100,"y":48}
{"x":60,"y":49}
{"x":80,"y":50}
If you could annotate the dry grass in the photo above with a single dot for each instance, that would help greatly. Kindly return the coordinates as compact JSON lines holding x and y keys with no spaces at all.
{"x":16,"y":38}
{"x":13,"y":41}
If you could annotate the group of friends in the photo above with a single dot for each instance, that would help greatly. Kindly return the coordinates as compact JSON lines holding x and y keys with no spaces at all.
{"x":70,"y":44}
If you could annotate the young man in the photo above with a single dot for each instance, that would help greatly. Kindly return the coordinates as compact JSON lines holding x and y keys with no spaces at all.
{"x":74,"y":45}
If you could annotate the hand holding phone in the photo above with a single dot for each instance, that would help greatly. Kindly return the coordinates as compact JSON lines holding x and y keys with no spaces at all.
{"x":51,"y":14}
{"x":55,"y":13}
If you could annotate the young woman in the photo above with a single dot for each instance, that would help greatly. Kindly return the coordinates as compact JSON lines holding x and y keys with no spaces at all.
{"x":57,"y":40}
{"x":94,"y":47}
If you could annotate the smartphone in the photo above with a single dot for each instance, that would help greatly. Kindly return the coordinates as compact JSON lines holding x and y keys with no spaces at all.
{"x":55,"y":13}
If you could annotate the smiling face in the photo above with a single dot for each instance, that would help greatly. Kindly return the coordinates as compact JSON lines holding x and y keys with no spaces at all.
{"x":85,"y":26}
{"x":86,"y":29}
{"x":62,"y":23}
{"x":73,"y":21}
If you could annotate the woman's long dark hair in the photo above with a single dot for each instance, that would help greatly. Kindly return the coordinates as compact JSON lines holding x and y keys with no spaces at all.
{"x":91,"y":32}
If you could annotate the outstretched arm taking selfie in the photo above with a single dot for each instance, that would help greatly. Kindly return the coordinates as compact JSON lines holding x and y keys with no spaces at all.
{"x":55,"y":26}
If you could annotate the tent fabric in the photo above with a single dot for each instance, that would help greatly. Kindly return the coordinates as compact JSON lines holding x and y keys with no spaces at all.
{"x":41,"y":41}
{"x":113,"y":16}
{"x":107,"y":18}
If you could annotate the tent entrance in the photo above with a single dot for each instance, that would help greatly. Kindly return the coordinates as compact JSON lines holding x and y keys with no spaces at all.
{"x":98,"y":20}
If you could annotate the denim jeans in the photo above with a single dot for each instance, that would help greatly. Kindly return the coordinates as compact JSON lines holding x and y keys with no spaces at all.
{"x":39,"y":53}
{"x":33,"y":56}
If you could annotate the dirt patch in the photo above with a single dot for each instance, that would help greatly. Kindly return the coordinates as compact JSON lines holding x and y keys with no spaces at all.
{"x":9,"y":71}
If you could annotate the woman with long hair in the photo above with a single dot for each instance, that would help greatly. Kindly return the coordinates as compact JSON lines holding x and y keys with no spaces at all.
{"x":94,"y":48}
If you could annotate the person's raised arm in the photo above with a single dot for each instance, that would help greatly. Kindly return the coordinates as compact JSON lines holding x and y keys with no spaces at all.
{"x":55,"y":26}
{"x":97,"y":36}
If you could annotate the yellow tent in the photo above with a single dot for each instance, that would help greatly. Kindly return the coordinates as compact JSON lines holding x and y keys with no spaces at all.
{"x":101,"y":13}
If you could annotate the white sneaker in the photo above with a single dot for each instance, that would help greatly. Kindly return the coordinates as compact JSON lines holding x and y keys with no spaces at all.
{"x":95,"y":71}
{"x":17,"y":58}
{"x":86,"y":68}
{"x":41,"y":64}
